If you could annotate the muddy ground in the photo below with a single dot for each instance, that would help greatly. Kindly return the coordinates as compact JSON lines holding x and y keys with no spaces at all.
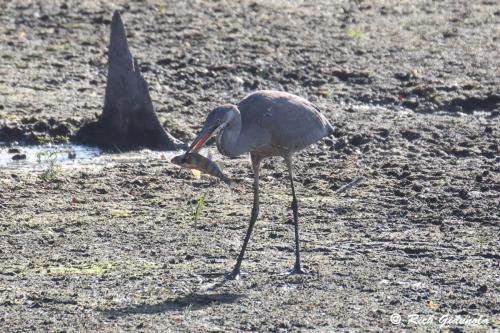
{"x":413,"y":90}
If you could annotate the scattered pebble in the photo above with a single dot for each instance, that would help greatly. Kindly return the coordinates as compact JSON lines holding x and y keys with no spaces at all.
{"x":18,"y":157}
{"x":13,"y":151}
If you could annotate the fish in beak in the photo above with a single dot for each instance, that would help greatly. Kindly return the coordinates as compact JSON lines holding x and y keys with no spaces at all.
{"x":195,"y":161}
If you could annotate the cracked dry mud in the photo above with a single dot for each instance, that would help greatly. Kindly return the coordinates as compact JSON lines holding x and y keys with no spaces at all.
{"x":413,"y":90}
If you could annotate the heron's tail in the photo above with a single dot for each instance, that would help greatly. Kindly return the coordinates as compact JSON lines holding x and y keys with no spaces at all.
{"x":330,"y":129}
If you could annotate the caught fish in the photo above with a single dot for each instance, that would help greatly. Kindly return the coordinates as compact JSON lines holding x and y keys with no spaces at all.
{"x":198,"y":162}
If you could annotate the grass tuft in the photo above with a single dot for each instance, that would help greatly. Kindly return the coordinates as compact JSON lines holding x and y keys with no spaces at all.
{"x":199,"y":207}
{"x":120,"y":213}
{"x":49,"y":158}
{"x":356,"y":33}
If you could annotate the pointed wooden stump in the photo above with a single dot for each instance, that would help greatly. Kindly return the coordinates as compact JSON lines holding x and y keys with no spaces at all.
{"x":128,"y":120}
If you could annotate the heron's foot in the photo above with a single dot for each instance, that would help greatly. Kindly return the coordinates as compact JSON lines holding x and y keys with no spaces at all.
{"x":234,"y":275}
{"x":296,"y":271}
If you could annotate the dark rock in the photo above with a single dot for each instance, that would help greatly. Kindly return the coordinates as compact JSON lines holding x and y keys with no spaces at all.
{"x":328,"y":142}
{"x":101,"y":190}
{"x":13,"y":151}
{"x":460,"y":152}
{"x":273,"y":235}
{"x":412,"y":250}
{"x":18,"y":157}
{"x":410,"y":103}
{"x":340,"y":144}
{"x":165,"y":61}
{"x":11,"y":132}
{"x":489,"y":102}
{"x":410,"y":135}
{"x":403,"y":76}
{"x":41,"y":126}
{"x":463,"y":194}
{"x":359,"y":139}
{"x":307,"y":181}
{"x":253,"y":85}
{"x":436,"y":222}
{"x":30,"y":120}
{"x":403,"y":175}
{"x":352,"y":77}
{"x":403,"y":202}
{"x":399,"y":193}
{"x":61,"y":129}
{"x":483,"y":289}
{"x":101,"y":20}
{"x":338,"y":132}
{"x":383,"y":132}
{"x":417,"y":187}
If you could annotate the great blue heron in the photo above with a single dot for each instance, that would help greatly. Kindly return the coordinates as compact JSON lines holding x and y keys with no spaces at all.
{"x":265,"y":123}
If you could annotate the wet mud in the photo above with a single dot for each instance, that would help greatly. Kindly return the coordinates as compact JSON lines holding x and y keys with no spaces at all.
{"x":412,"y":89}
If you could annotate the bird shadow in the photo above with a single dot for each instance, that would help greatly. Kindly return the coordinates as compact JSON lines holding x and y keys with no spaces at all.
{"x":192,"y":301}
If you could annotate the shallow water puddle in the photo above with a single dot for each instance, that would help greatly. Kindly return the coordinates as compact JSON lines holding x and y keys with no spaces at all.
{"x":37,"y":155}
{"x":67,"y":155}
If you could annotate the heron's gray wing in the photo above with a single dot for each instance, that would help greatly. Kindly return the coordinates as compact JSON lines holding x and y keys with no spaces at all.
{"x":292,"y":122}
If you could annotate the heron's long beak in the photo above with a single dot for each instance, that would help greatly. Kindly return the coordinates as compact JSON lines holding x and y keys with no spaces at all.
{"x":200,"y":140}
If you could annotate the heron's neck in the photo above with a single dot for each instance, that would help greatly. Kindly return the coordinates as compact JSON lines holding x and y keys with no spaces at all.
{"x":230,"y":141}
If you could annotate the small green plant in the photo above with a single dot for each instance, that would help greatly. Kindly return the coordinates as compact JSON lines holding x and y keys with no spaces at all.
{"x":49,"y":158}
{"x":44,"y":139}
{"x":61,"y":139}
{"x":483,"y":243}
{"x":355,"y":33}
{"x":120,"y":213}
{"x":198,"y":209}
{"x":187,"y":310}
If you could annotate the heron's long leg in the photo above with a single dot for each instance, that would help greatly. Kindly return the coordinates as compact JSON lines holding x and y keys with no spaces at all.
{"x":295,"y":207}
{"x":255,"y":212}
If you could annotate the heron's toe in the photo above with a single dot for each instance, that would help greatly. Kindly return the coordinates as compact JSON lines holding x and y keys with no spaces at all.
{"x":296,"y":271}
{"x":234,"y":275}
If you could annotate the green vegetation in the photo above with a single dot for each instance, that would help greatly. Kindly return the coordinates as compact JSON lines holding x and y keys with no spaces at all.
{"x":127,"y":266}
{"x":120,"y":213}
{"x":48,"y":158}
{"x":198,"y":209}
{"x":93,"y":269}
{"x":355,"y":33}
{"x":188,"y":309}
{"x":61,"y":139}
{"x":483,"y":243}
{"x":44,"y":139}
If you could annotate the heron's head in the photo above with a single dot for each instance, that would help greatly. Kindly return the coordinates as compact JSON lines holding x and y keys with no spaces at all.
{"x":216,"y":121}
